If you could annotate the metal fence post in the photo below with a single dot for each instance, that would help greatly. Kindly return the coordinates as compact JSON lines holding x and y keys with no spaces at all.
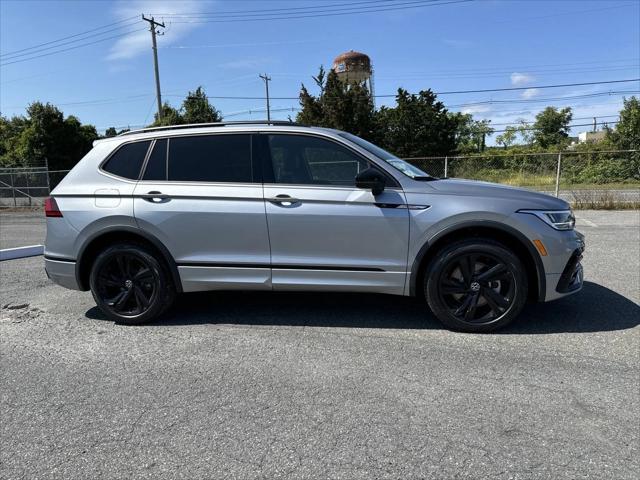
{"x":46,"y":166}
{"x":446,"y":166}
{"x":27,"y":189}
{"x":558,"y":174}
{"x":13,"y":190}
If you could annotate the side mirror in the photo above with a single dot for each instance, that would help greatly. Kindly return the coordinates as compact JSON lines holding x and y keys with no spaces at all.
{"x":371,"y":179}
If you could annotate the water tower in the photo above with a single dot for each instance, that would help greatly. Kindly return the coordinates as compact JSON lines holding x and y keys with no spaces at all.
{"x":354,"y":67}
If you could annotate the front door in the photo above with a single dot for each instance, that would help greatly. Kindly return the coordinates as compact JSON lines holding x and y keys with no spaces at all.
{"x":325,"y":233}
{"x":201,"y":196}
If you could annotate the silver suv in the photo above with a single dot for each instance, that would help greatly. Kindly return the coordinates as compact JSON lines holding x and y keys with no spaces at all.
{"x":279,"y":206}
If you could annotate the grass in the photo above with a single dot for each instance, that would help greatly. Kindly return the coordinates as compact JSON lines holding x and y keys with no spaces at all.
{"x":601,"y":200}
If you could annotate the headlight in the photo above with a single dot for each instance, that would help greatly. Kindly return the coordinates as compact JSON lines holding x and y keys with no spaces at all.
{"x":558,"y":219}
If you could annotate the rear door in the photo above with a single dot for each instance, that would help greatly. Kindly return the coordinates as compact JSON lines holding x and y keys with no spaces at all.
{"x":201,"y":196}
{"x":325,"y":233}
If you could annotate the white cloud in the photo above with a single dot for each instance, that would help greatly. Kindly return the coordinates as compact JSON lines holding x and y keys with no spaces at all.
{"x":518,"y":78}
{"x":473,"y":109}
{"x":139,"y":42}
{"x":530,"y":93}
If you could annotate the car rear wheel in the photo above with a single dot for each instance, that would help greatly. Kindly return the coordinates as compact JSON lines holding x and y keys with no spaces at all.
{"x":130,"y":285}
{"x":476,"y":285}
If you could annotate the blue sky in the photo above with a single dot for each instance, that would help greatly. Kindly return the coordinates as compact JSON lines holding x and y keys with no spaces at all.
{"x":472,"y":45}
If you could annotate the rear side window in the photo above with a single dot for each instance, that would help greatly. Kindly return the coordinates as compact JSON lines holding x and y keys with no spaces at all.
{"x":127,"y":160}
{"x":157,"y":164}
{"x":211,"y":158}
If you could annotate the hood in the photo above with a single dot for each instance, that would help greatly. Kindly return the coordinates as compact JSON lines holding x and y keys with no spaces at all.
{"x":526,"y":198}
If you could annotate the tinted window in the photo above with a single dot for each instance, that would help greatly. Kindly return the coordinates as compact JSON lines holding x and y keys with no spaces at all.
{"x":157,"y":165}
{"x":213,"y":158}
{"x":301,"y":159}
{"x":127,"y":160}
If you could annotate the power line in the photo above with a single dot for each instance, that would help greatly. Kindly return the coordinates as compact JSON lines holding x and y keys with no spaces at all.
{"x":466,"y":104}
{"x":575,"y":118}
{"x":455,"y":92}
{"x":568,"y":126}
{"x":539,"y":87}
{"x":72,"y":48}
{"x":26,"y":54}
{"x":68,"y":36}
{"x":286,"y":9}
{"x":323,"y":14}
{"x":545,"y":99}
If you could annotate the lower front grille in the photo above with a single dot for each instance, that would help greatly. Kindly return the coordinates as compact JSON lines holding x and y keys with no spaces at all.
{"x":571,"y":278}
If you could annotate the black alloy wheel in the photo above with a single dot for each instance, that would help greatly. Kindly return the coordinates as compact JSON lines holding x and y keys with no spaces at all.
{"x":477,"y":288}
{"x":476,"y":285}
{"x":130,"y":285}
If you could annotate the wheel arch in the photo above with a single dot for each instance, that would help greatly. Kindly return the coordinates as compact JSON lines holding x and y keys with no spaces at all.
{"x":504,"y":234}
{"x":97,"y":242}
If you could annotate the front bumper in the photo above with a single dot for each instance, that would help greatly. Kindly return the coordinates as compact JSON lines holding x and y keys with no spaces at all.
{"x":62,"y":272}
{"x":572,"y":277}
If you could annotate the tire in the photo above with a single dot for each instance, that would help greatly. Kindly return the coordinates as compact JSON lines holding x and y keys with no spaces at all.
{"x":130,"y":285}
{"x":475,"y":285}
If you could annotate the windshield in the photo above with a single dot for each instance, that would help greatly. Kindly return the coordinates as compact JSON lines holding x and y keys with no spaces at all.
{"x":397,"y":163}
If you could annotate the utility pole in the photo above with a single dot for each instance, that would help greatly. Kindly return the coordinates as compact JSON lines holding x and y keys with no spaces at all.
{"x":152,"y":29}
{"x":266,"y":84}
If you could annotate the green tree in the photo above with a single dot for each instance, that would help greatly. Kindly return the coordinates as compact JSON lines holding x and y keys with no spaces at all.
{"x":470,"y":134}
{"x":170,"y":116}
{"x":525,"y":131}
{"x":44,"y":135}
{"x":626,"y":135}
{"x":508,"y":137}
{"x":347,"y":107}
{"x":11,"y":146}
{"x":419,"y":125}
{"x":551,"y":127}
{"x":197,"y":109}
{"x":110,"y":132}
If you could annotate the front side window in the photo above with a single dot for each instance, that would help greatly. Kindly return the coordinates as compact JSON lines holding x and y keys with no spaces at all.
{"x":306,"y":160}
{"x":397,"y":163}
{"x":210,"y":158}
{"x":127,"y":161}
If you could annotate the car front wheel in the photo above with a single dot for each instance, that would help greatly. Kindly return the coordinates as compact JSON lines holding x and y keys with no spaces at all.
{"x":130,"y":285}
{"x":476,"y":285}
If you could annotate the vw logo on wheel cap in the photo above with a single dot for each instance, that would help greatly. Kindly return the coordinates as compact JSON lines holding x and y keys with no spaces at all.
{"x":475,"y":286}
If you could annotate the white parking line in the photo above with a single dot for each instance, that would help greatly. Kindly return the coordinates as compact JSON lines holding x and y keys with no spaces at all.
{"x":588,"y":223}
{"x":21,"y":252}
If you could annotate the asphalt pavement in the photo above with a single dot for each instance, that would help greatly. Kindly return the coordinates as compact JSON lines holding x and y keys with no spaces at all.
{"x":258,"y":385}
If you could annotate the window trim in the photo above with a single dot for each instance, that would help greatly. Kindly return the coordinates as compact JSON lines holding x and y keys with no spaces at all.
{"x":148,"y":158}
{"x":142,"y":166}
{"x":267,"y":163}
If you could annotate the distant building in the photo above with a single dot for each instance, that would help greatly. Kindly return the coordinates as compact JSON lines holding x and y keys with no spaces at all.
{"x":592,"y":137}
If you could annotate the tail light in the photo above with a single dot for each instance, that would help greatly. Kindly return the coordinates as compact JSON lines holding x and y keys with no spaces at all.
{"x":51,"y":208}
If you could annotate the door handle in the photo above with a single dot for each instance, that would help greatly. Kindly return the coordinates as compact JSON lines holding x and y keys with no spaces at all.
{"x":155,"y":197}
{"x":284,"y":200}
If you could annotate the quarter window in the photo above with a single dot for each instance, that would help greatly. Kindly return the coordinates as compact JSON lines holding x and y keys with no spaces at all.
{"x":306,"y":160}
{"x":210,"y":158}
{"x":127,"y":160}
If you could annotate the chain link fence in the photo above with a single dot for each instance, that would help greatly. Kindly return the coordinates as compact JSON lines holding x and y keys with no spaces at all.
{"x":594,"y":179}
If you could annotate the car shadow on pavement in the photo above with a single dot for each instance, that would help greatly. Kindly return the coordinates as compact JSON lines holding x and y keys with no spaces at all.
{"x":594,"y":309}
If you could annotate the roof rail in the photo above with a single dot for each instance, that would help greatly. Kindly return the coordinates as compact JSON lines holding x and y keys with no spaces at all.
{"x":215,"y":124}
